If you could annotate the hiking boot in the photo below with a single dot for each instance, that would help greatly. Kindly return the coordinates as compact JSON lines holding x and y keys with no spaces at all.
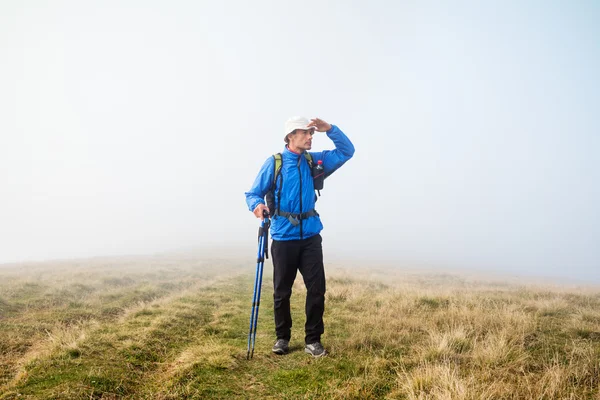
{"x":315,"y":349}
{"x":281,"y":346}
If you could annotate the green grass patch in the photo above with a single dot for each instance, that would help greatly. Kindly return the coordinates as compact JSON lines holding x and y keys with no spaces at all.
{"x":432,"y":302}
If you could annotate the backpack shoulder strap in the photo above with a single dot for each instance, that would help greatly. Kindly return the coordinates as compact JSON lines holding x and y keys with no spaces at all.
{"x":276,"y":167}
{"x":308,"y":158}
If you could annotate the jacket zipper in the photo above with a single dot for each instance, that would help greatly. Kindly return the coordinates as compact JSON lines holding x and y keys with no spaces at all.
{"x":300,"y":177}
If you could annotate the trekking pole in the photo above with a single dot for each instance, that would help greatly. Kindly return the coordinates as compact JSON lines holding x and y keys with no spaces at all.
{"x":263,"y":252}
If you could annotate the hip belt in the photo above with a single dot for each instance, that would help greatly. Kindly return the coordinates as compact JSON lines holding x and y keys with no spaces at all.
{"x":296,"y":218}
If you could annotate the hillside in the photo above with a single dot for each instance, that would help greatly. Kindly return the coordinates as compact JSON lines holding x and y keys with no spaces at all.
{"x":169,"y":327}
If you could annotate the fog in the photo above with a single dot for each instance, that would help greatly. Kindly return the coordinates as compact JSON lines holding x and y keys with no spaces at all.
{"x":135,"y":127}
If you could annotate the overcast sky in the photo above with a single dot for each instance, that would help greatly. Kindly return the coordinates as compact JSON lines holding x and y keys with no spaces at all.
{"x":136,"y":127}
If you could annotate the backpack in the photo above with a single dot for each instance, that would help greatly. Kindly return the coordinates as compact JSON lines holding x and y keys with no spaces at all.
{"x":277,"y":174}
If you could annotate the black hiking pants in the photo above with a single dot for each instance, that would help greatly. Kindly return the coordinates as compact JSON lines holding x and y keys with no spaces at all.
{"x":306,"y":256}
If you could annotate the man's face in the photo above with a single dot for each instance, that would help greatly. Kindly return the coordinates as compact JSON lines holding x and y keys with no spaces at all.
{"x":301,"y":139}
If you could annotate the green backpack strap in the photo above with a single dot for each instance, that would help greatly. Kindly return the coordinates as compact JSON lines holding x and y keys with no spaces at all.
{"x":276,"y":167}
{"x":270,"y":196}
{"x":308,"y":159}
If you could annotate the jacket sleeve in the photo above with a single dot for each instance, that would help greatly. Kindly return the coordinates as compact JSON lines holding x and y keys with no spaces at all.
{"x":333,"y":159}
{"x":262,"y":184}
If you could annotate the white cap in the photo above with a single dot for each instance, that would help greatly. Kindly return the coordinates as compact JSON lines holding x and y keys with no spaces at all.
{"x":297,"y":123}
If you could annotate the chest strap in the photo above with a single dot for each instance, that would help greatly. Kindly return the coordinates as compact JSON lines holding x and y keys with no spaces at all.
{"x":296,"y":218}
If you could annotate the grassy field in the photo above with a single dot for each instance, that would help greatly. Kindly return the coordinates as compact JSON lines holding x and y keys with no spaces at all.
{"x":176,"y":328}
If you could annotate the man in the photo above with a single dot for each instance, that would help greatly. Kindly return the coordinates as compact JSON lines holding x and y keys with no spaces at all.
{"x":295,"y":225}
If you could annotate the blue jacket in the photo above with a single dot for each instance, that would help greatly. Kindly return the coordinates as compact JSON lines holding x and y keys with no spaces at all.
{"x":294,"y":181}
